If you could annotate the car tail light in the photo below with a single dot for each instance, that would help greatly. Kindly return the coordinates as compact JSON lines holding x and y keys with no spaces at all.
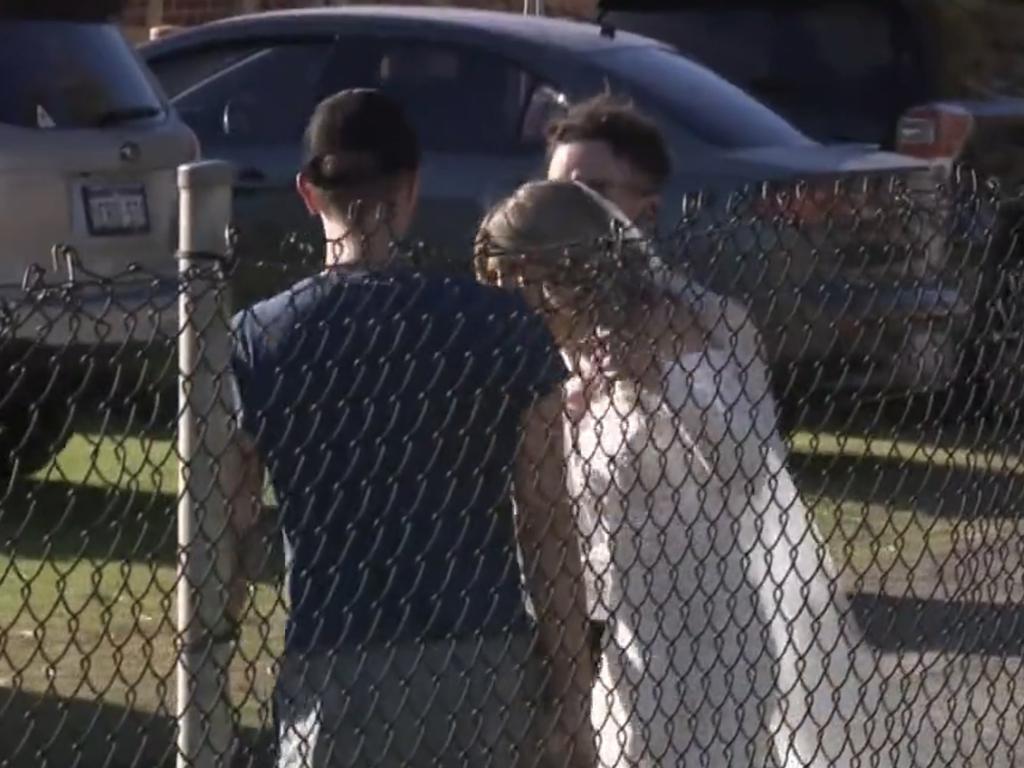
{"x":938,"y":131}
{"x":811,"y":205}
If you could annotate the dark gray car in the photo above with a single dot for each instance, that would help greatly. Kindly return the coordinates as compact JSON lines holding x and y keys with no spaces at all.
{"x":480,"y":87}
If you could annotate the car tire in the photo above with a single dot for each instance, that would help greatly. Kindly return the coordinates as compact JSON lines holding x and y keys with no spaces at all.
{"x":998,"y":387}
{"x":31,"y":436}
{"x":816,"y":412}
{"x":995,"y":370}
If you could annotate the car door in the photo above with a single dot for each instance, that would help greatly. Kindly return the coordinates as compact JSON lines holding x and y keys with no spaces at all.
{"x":476,"y":115}
{"x":252,"y":113}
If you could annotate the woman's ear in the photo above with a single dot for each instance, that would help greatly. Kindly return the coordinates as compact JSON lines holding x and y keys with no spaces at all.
{"x":414,"y":190}
{"x":649,"y":211}
{"x":307,"y":193}
{"x":403,"y":197}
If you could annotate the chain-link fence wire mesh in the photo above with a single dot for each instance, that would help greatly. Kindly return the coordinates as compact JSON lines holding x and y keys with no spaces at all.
{"x":797,"y":508}
{"x":88,"y":548}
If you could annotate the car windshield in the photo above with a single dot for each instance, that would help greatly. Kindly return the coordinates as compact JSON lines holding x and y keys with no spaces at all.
{"x":61,"y":74}
{"x":712,"y":109}
{"x":840,"y":71}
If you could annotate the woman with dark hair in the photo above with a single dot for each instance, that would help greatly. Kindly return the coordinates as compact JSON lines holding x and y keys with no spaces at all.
{"x":393,"y":410}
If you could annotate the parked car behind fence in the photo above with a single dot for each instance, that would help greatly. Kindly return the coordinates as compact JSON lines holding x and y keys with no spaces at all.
{"x":913,"y":76}
{"x":480,"y":87}
{"x":88,"y":153}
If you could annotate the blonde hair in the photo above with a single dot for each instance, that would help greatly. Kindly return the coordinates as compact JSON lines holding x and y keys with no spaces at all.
{"x":577,"y":238}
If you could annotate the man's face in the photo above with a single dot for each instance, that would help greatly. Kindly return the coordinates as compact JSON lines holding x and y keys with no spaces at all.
{"x":593,"y":163}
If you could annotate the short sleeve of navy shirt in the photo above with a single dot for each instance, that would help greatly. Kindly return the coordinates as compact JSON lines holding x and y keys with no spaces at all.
{"x":386,"y":408}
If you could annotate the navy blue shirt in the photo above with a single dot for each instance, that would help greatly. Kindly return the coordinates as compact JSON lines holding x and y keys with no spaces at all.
{"x":386,"y":407}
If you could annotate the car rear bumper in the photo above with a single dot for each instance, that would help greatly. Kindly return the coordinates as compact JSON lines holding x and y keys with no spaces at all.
{"x":76,"y":189}
{"x":870,"y":340}
{"x":132,"y":309}
{"x":872,"y":308}
{"x":95,"y":341}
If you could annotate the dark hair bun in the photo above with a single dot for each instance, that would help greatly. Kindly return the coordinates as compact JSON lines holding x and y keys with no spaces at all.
{"x":342,"y":169}
{"x":357,"y":136}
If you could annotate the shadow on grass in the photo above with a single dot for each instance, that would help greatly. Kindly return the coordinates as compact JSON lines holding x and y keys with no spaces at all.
{"x":56,"y":519}
{"x":952,"y":417}
{"x":893,"y":624}
{"x":51,"y":732}
{"x":62,"y":520}
{"x":154,"y":414}
{"x":932,"y":489}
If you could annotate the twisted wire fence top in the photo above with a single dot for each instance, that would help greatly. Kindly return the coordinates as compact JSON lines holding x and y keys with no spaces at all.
{"x":786,"y":443}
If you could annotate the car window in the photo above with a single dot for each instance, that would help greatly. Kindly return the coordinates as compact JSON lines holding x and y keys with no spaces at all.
{"x":61,"y":74}
{"x":266,"y":98}
{"x":460,"y":99}
{"x":179,"y":71}
{"x":711,"y":109}
{"x":839,"y":70}
{"x":544,"y":105}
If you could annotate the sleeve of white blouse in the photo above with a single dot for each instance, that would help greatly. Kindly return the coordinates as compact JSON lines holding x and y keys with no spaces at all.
{"x":730,"y":330}
{"x":734,"y":331}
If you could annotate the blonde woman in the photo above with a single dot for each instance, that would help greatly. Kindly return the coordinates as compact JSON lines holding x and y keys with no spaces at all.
{"x":727,"y":643}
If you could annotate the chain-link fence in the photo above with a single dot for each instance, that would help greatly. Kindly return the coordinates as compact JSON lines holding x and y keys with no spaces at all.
{"x":743,"y":494}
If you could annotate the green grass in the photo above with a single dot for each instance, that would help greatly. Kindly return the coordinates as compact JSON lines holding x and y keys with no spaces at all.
{"x":87,"y":586}
{"x":880,"y":541}
{"x":906,"y":451}
{"x":87,"y":573}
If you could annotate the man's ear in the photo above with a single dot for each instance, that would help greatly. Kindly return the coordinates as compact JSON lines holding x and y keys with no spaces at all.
{"x":413,"y":189}
{"x":307,"y":193}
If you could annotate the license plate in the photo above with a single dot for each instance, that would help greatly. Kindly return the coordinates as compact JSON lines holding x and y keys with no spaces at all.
{"x":116,"y":210}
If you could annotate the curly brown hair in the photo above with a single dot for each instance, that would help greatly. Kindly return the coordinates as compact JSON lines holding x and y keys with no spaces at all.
{"x":614,"y":121}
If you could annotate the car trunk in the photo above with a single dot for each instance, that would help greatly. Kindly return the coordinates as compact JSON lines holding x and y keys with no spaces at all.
{"x":89,"y":150}
{"x":88,"y":156}
{"x":842,"y":253}
{"x":74,"y":190}
{"x":847,"y":211}
{"x":78,"y":188}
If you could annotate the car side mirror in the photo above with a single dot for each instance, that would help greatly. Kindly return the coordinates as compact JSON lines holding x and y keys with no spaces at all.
{"x":545,"y":104}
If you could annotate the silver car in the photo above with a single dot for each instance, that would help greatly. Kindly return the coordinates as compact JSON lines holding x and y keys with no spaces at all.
{"x":480,"y":86}
{"x":88,"y":154}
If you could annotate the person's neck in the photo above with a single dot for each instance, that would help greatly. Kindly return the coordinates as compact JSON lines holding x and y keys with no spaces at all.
{"x":346,"y":247}
{"x":630,"y":350}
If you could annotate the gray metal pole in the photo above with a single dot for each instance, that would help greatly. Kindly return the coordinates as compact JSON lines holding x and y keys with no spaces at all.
{"x":205,"y":555}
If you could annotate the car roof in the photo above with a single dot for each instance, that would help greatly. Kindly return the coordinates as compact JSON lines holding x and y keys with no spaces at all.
{"x":509,"y":28}
{"x":660,"y":6}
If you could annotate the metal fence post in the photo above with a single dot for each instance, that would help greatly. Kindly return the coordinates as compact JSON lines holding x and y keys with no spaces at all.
{"x":204,"y":717}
